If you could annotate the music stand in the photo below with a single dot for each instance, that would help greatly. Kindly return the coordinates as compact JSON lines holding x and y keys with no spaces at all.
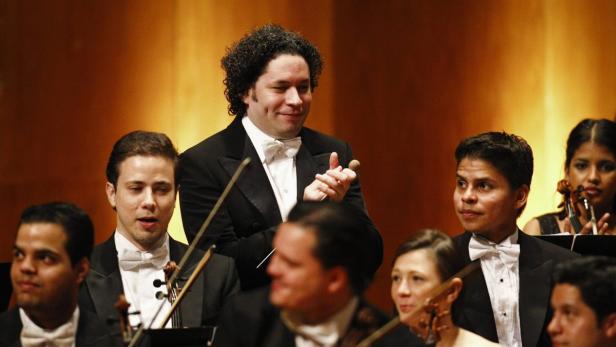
{"x":6,"y":289}
{"x":178,"y":337}
{"x":585,"y":244}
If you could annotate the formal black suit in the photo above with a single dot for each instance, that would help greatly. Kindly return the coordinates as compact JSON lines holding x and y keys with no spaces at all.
{"x":91,"y":331}
{"x":244,"y":227}
{"x":250,"y":320}
{"x":473,"y":309}
{"x":201,"y":306}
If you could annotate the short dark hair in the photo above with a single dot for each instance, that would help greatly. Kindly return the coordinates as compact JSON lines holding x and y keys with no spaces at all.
{"x":508,"y":153}
{"x":144,"y":143}
{"x":247,"y":59}
{"x":595,"y":278}
{"x":342,"y":240}
{"x":447,"y":257}
{"x":74,"y":221}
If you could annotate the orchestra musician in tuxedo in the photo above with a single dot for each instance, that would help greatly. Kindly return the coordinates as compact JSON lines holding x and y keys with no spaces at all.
{"x":50,"y":260}
{"x":270,"y":78}
{"x":583,"y":303}
{"x":319,"y":272}
{"x":508,"y":300}
{"x":141,"y":188}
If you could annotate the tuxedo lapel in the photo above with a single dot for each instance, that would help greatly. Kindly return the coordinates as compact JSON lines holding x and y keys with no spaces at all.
{"x":307,"y":166}
{"x":535,"y":289}
{"x":11,"y":326}
{"x":251,"y":181}
{"x":277,"y":335}
{"x":191,"y":307}
{"x":104,"y":281}
{"x":91,"y":331}
{"x":475,"y":305}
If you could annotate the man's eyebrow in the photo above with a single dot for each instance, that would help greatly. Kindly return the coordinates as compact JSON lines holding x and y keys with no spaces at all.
{"x":37,"y":251}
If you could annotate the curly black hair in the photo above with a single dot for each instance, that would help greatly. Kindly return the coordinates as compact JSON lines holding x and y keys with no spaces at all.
{"x":247,"y":59}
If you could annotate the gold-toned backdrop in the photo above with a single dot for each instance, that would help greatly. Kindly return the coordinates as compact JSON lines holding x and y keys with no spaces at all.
{"x":404,"y":81}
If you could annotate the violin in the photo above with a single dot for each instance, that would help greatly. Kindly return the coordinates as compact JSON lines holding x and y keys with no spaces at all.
{"x":126,"y":331}
{"x":572,"y":207}
{"x":172,"y":292}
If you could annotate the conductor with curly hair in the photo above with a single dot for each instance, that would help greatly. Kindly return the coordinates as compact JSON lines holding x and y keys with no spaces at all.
{"x":271,"y":75}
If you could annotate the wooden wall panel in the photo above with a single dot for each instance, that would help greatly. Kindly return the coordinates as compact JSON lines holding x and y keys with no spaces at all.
{"x":76,"y":75}
{"x":404,"y":81}
{"x":413,"y":78}
{"x":73,"y":78}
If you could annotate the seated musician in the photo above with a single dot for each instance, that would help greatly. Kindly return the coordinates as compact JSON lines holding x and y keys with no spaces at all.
{"x":426,"y":260}
{"x":50,"y":260}
{"x":590,"y":163}
{"x":141,"y":188}
{"x":319,"y":272}
{"x":507,"y":301}
{"x":583,"y":303}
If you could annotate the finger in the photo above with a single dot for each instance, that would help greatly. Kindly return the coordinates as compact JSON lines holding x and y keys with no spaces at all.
{"x":332,"y":184}
{"x":603,"y":230}
{"x":341,"y":176}
{"x":603,"y":220}
{"x":586,"y":229}
{"x":567,"y":226}
{"x":333,"y":160}
{"x":328,"y":191}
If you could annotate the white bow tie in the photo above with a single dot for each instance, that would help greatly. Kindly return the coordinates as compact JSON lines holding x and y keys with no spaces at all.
{"x":289,"y":148}
{"x":33,"y":336}
{"x":130,"y":259}
{"x":508,"y":253}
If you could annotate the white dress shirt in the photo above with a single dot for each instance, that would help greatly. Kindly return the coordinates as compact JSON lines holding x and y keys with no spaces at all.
{"x":325,"y":334}
{"x":138,"y":275}
{"x":500,"y":267}
{"x":281,"y":171}
{"x":34,"y":336}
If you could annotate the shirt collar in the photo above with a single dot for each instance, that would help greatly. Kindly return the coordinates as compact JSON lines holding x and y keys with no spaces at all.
{"x":257,"y":137}
{"x":327,"y":332}
{"x":122,"y":243}
{"x":512,"y":239}
{"x":68,"y":328}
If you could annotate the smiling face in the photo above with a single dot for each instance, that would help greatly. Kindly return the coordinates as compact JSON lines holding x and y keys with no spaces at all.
{"x":42,"y":275}
{"x":484,"y":201}
{"x":279,"y":102}
{"x":144,"y":198}
{"x":593,"y":167}
{"x":413,"y":275}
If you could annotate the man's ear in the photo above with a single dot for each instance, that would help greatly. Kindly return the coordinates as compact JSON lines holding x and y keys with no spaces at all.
{"x":248,"y":95}
{"x":82,"y":268}
{"x":521,"y":196}
{"x":338,"y":279}
{"x":111,"y":194}
{"x":609,"y":326}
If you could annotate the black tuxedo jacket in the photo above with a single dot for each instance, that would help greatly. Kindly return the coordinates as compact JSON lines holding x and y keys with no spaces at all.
{"x":473,"y":309}
{"x":201,"y":306}
{"x":91,"y":332}
{"x":250,"y":320}
{"x":244,"y":227}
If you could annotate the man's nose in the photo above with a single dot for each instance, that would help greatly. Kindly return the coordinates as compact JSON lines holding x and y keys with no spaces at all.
{"x":292,"y":96}
{"x":148,"y":201}
{"x":26,"y":265}
{"x":469,"y":195}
